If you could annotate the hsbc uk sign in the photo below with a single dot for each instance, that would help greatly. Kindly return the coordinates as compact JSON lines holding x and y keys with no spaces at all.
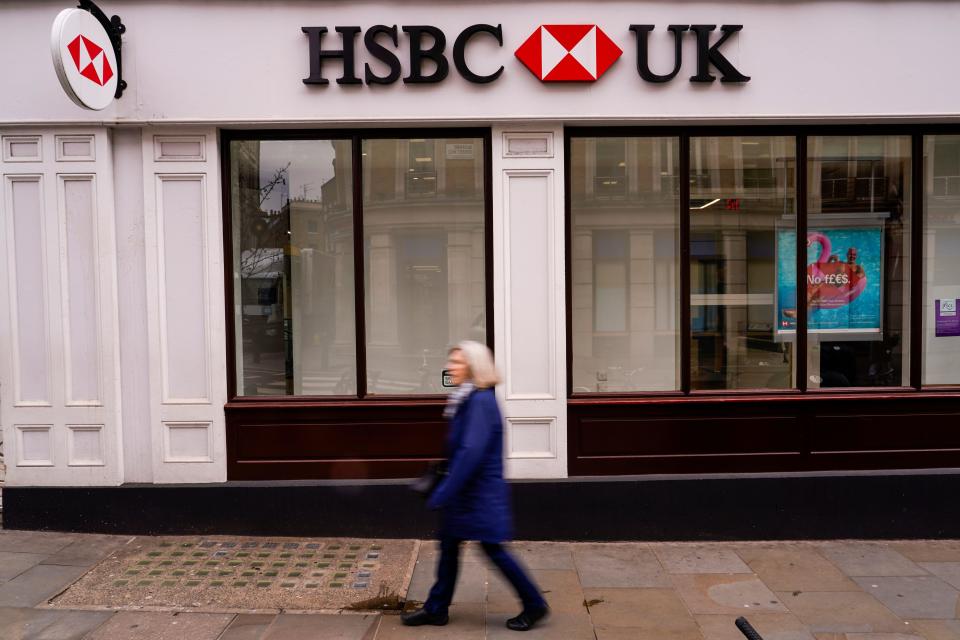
{"x":552,"y":53}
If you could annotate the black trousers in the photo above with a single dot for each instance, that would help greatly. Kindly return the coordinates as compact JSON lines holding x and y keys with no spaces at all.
{"x":447,"y":569}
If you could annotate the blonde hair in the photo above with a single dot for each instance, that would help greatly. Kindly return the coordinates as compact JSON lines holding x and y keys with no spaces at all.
{"x":483,"y":372}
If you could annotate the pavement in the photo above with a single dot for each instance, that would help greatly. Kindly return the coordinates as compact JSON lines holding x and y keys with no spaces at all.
{"x":830,"y":590}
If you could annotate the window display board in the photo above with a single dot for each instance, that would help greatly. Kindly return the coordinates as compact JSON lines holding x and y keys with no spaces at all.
{"x":843,"y":278}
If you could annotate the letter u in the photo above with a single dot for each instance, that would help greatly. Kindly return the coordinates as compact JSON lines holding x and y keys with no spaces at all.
{"x":643,"y":58}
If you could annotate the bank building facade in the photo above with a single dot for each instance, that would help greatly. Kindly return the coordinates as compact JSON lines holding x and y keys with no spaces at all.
{"x":706,"y":241}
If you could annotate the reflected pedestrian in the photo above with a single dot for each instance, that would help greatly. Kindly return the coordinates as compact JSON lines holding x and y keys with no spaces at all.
{"x":473,"y":499}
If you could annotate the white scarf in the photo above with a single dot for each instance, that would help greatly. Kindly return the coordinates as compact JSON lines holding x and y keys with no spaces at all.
{"x":456,"y":398}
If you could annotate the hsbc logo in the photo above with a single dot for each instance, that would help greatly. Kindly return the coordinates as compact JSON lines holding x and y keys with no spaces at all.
{"x":552,"y":53}
{"x":90,"y":60}
{"x":568,"y":52}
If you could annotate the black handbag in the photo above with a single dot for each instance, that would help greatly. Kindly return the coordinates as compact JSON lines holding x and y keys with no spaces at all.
{"x":433,"y":476}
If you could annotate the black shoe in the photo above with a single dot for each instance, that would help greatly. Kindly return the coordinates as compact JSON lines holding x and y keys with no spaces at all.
{"x":422,"y":616}
{"x":527,"y":619}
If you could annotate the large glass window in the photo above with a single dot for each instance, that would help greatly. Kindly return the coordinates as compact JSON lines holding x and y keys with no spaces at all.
{"x":858,"y":261}
{"x":295,"y":292}
{"x":293,"y":267}
{"x":625,"y":207}
{"x":742,"y":262}
{"x":423,"y":258}
{"x":941,"y":260}
{"x":749,"y":272}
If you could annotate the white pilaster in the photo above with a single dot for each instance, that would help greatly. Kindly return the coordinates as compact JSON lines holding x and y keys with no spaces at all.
{"x":530,"y":322}
{"x":185,"y":304}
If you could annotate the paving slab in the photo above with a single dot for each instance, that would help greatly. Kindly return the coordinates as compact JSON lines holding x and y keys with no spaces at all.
{"x":640,"y":633}
{"x":38,"y":584}
{"x":914,"y":597}
{"x":707,"y":593}
{"x":937,"y":629}
{"x":561,"y":589}
{"x":41,"y":542}
{"x":147,"y":625}
{"x":424,"y":575}
{"x":248,"y":626}
{"x":321,"y":627}
{"x":619,"y":566}
{"x":87,"y":551}
{"x":655,"y":611}
{"x":71,"y":625}
{"x":771,"y":626}
{"x":21,"y":623}
{"x":469,"y":551}
{"x":949,"y":572}
{"x":783,"y":568}
{"x":842,"y":612}
{"x":869,"y":559}
{"x":466,"y":623}
{"x":866,"y":636}
{"x":471,"y":584}
{"x":544,"y":555}
{"x":687,"y":558}
{"x":882,"y":636}
{"x":929,"y":550}
{"x":556,"y":626}
{"x":13,"y":564}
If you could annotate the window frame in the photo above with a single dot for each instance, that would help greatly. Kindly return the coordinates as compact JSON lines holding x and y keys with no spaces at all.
{"x":356,"y":138}
{"x":801,"y":134}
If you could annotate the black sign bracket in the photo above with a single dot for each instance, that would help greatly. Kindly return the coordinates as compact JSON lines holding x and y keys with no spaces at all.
{"x":114,"y":28}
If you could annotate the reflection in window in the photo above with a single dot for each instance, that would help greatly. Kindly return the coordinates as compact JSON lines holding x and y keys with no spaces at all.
{"x":941,"y":267}
{"x":625,"y":291}
{"x":423,"y":258}
{"x":742,"y":262}
{"x":858,"y":259}
{"x":293,"y":267}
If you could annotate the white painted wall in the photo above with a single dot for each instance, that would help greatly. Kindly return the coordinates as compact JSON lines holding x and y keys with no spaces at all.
{"x":244,"y":61}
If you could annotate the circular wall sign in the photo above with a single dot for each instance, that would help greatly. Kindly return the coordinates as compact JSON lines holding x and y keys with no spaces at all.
{"x":84,"y":59}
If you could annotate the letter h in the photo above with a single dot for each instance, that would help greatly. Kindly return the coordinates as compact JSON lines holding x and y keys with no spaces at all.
{"x":318,"y":55}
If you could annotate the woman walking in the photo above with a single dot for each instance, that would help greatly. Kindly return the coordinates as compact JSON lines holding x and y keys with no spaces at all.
{"x":473,"y":498}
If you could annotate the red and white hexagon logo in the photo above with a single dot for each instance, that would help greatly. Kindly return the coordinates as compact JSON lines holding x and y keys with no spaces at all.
{"x":568,"y":52}
{"x":90,"y":60}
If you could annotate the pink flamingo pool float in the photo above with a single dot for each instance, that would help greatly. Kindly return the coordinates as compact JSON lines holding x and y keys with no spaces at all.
{"x":830,"y":282}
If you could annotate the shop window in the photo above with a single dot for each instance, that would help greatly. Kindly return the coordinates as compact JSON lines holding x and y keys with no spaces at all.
{"x":295,"y":295}
{"x":858,"y":261}
{"x":857,"y":269}
{"x":293,"y":267}
{"x":941,"y":264}
{"x":742,"y":264}
{"x":423,"y":264}
{"x":624,"y":202}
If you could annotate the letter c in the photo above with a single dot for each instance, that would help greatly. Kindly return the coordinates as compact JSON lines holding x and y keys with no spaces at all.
{"x":459,"y":52}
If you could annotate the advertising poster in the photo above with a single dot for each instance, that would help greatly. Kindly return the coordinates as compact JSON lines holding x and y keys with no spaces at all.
{"x":948,"y":320}
{"x":843,"y":280}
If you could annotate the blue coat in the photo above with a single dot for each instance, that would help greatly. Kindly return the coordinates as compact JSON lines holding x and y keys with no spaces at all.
{"x":474,"y":499}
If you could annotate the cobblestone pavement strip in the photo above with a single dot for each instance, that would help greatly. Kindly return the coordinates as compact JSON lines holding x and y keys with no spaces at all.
{"x":245,"y":574}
